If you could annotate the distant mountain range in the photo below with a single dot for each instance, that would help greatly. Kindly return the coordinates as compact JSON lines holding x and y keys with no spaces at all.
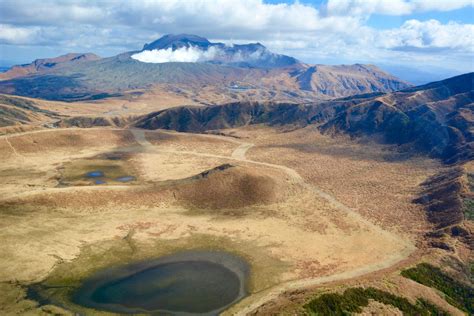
{"x":40,"y":66}
{"x":436,"y":119}
{"x":192,"y":61}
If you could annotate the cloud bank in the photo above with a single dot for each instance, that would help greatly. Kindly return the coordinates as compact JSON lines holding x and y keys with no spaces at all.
{"x":183,"y":54}
{"x":334,"y":31}
{"x":431,"y":34}
{"x":195,"y":54}
{"x":394,"y":7}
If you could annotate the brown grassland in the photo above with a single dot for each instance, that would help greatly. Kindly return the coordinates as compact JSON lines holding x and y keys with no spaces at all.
{"x":304,"y":209}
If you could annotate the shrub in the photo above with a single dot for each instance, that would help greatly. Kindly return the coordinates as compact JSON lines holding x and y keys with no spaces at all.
{"x":457,"y":293}
{"x":353,"y":299}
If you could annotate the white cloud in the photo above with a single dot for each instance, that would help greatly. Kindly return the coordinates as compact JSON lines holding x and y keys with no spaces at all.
{"x":195,"y":54}
{"x":441,"y":5}
{"x":393,"y":7}
{"x":183,"y":54}
{"x":368,"y":7}
{"x":429,"y":35}
{"x":17,"y":35}
{"x":53,"y":12}
{"x":336,"y":31}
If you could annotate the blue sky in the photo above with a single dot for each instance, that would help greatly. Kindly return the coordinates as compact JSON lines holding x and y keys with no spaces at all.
{"x":434,"y":37}
{"x":462,"y":15}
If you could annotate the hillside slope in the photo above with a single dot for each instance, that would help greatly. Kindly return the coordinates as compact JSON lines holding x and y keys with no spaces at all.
{"x":18,"y":111}
{"x":436,"y":119}
{"x":334,"y":81}
{"x":44,"y":65}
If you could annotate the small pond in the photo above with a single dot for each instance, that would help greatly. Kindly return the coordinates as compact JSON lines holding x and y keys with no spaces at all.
{"x":95,"y":174}
{"x":125,"y":179}
{"x":100,"y":177}
{"x":185,"y":283}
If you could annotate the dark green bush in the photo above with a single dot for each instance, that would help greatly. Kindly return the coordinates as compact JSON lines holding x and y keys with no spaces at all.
{"x":354,"y":299}
{"x":469,"y":209}
{"x":457,"y":293}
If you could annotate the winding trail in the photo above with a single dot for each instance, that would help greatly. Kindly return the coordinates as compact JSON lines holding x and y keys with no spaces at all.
{"x":251,"y":303}
{"x":13,"y":148}
{"x":239,"y":152}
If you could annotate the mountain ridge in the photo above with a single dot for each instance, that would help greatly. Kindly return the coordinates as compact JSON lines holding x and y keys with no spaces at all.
{"x":253,"y":55}
{"x":261,"y":70}
{"x":177,"y":41}
{"x":44,"y":64}
{"x":437,"y":118}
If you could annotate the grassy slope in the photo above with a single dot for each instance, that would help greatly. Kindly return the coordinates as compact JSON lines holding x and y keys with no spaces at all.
{"x":456,"y":293}
{"x":354,"y":299}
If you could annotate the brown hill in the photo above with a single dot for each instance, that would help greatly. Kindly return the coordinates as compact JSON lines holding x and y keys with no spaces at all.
{"x":444,"y":197}
{"x":94,"y":121}
{"x":71,"y":79}
{"x":44,"y":65}
{"x":18,"y":111}
{"x":336,"y":81}
{"x":228,"y":187}
{"x":199,"y":119}
{"x":436,"y":118}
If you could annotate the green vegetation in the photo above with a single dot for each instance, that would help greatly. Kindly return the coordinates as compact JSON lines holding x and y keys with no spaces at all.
{"x":470,"y":180}
{"x":457,"y":293}
{"x":354,"y":299}
{"x":469,"y":203}
{"x":469,"y":209}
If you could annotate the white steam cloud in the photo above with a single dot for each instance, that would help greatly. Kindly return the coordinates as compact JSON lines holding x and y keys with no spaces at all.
{"x":194,"y":54}
{"x":183,"y":54}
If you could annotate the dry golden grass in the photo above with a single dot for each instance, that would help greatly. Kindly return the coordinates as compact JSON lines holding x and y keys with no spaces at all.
{"x":70,"y":140}
{"x":31,"y":161}
{"x":373,"y":179}
{"x":260,"y":204}
{"x":200,"y":143}
{"x":235,"y":187}
{"x":142,"y":102}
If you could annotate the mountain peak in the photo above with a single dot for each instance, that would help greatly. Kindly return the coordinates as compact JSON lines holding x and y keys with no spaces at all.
{"x":176,"y":41}
{"x":193,"y":48}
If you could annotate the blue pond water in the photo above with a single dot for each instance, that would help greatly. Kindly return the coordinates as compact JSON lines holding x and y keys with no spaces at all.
{"x":186,"y":283}
{"x":125,"y":179}
{"x":99,"y":176}
{"x":95,"y":174}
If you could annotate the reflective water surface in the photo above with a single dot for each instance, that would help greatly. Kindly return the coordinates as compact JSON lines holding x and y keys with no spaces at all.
{"x":192,"y":282}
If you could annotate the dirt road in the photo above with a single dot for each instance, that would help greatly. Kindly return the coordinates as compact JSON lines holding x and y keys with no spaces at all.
{"x":251,"y":303}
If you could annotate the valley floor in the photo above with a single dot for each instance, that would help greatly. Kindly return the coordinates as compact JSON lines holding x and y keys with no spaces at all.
{"x":302,"y":208}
